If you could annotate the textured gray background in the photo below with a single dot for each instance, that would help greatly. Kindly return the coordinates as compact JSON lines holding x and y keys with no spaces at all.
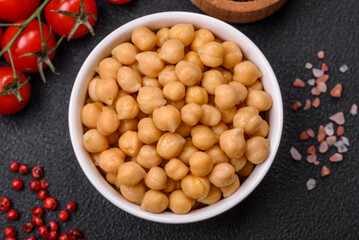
{"x":280,"y":208}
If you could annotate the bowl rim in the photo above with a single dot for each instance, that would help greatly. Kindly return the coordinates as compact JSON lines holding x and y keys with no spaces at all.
{"x":102,"y":186}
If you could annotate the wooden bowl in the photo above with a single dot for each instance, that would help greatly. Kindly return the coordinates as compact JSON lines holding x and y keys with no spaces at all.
{"x":239,"y":12}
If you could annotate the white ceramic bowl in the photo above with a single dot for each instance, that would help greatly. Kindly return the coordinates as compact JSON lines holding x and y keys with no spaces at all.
{"x":156,"y":21}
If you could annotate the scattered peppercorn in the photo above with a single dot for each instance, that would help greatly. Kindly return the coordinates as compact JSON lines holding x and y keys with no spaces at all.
{"x":54,"y":226}
{"x":10,"y":232}
{"x":37,"y":221}
{"x":43,"y":232}
{"x":42,"y":194}
{"x":44,"y":184}
{"x":71,"y":206}
{"x":23,"y":169}
{"x":38,"y":211}
{"x":35,"y":186}
{"x":14,"y":166}
{"x":17,"y":184}
{"x":37,"y":172}
{"x":12,"y":215}
{"x":4,"y":204}
{"x":28,"y":227}
{"x":64,"y":216}
{"x":50,"y":204}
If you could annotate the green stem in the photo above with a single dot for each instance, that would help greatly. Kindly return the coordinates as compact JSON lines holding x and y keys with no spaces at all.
{"x":23,"y":25}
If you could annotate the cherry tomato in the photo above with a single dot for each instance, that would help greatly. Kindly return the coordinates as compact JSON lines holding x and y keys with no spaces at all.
{"x":15,"y":10}
{"x":9,"y":104}
{"x":28,"y":41}
{"x":62,"y":24}
{"x":119,"y":1}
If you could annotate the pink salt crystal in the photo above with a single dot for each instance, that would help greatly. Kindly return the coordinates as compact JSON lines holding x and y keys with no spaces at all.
{"x":307,"y":105}
{"x":336,"y":157}
{"x":321,"y":134}
{"x":343,"y":68}
{"x":315,"y":91}
{"x":298,"y":83}
{"x":325,"y":171}
{"x":310,"y":132}
{"x":316,"y":103}
{"x":295,"y":154}
{"x":323,"y":147}
{"x":322,"y":87}
{"x":340,"y":131}
{"x":311,"y":82}
{"x":337,"y":90}
{"x":308,"y":65}
{"x":338,"y":118}
{"x":331,"y":140}
{"x":354,"y":109}
{"x":296,"y":105}
{"x":316,"y":163}
{"x":325,"y":67}
{"x":311,"y":150}
{"x":303,"y":136}
{"x":317,"y":72}
{"x":311,"y":184}
{"x":323,"y":78}
{"x":320,"y":54}
{"x":311,"y":158}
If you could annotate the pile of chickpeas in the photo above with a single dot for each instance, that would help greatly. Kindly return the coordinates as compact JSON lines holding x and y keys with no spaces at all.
{"x":174,"y":119}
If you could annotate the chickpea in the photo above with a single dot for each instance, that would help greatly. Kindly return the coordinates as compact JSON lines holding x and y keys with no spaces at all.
{"x":171,"y":185}
{"x":130,"y":143}
{"x":212,"y":79}
{"x":193,"y":56}
{"x":232,"y":142}
{"x":150,"y":63}
{"x":212,"y":54}
{"x":108,"y":68}
{"x":92,"y":89}
{"x":196,"y":94}
{"x":111,"y":159}
{"x":129,"y":79}
{"x":184,"y":130}
{"x":246,"y":73}
{"x":107,"y":122}
{"x":233,"y":54}
{"x":89,"y":115}
{"x":213,"y":196}
{"x":238,"y":163}
{"x":128,"y":125}
{"x":189,"y":142}
{"x":154,"y":201}
{"x":257,"y":85}
{"x":262,"y":131}
{"x":247,"y":118}
{"x":257,"y":149}
{"x":106,"y":90}
{"x":113,"y":138}
{"x":167,"y":74}
{"x":176,"y":169}
{"x":191,"y":113}
{"x":111,"y":177}
{"x":177,"y":104}
{"x":162,"y":36}
{"x":203,"y":137}
{"x":146,"y":81}
{"x":201,"y":164}
{"x":148,"y":157}
{"x":179,"y":203}
{"x":195,"y":187}
{"x":130,"y":174}
{"x":183,"y":32}
{"x":170,"y":145}
{"x":188,"y":72}
{"x":94,"y":142}
{"x":186,"y":154}
{"x":95,"y":158}
{"x":246,"y":170}
{"x":127,"y":107}
{"x":172,"y":51}
{"x":149,"y":98}
{"x":222,"y":175}
{"x":148,"y":133}
{"x":156,"y":178}
{"x":136,"y":67}
{"x":226,"y":74}
{"x":166,"y":118}
{"x":226,"y":96}
{"x":135,"y":193}
{"x":230,"y":189}
{"x":211,"y":115}
{"x":241,"y":89}
{"x":143,"y":38}
{"x":227,"y":114}
{"x":201,"y":37}
{"x":125,"y":53}
{"x":217,"y":154}
{"x":259,"y":99}
{"x":174,"y":91}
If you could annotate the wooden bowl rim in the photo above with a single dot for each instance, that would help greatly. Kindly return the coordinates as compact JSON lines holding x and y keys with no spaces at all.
{"x":242,"y":6}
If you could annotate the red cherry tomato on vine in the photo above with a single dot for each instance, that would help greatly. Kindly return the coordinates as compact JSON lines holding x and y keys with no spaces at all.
{"x":119,"y":1}
{"x":28,"y":41}
{"x":15,"y":10}
{"x":62,"y":24}
{"x":9,"y":104}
